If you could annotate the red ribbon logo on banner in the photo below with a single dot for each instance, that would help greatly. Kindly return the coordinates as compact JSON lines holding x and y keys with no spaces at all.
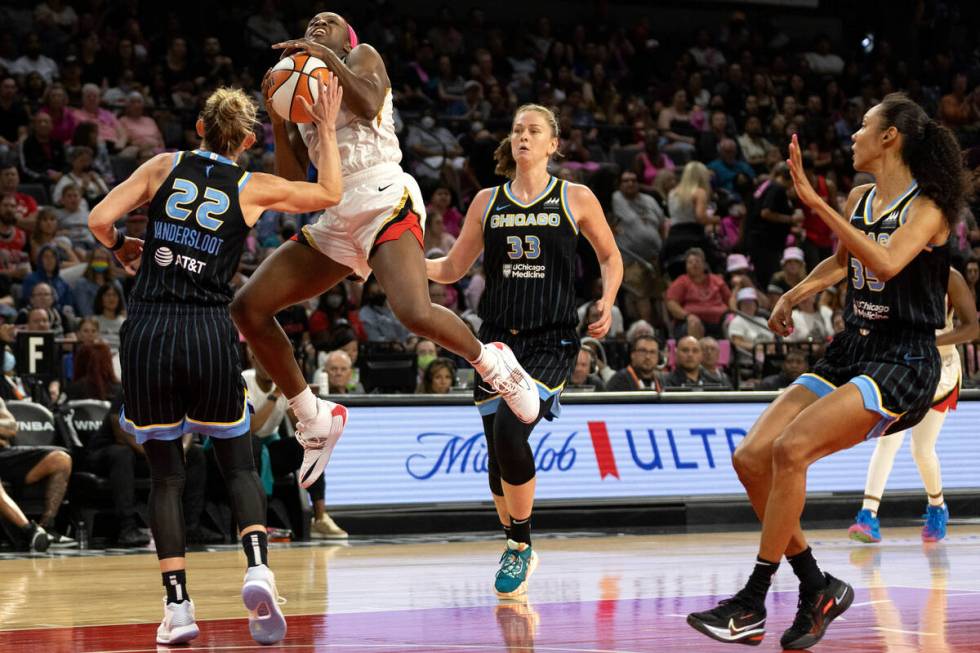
{"x":603,"y":450}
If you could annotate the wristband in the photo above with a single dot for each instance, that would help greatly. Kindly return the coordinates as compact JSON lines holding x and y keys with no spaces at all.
{"x":120,"y":241}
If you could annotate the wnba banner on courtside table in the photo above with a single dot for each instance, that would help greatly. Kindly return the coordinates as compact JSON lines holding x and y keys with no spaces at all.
{"x":437,"y":454}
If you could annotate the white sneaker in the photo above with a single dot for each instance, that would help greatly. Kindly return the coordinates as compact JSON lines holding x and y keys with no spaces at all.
{"x":506,"y":376}
{"x":178,"y":626}
{"x":319,"y":436}
{"x":265,"y":620}
{"x":326,"y":528}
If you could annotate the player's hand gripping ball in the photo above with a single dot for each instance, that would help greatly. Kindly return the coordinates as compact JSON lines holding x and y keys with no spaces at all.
{"x":294,"y":77}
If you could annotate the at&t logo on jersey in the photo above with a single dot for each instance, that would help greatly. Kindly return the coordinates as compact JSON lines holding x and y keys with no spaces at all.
{"x":164,"y":257}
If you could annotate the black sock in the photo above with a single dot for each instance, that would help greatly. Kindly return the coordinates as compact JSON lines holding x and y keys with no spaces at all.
{"x":506,"y":531}
{"x":520,"y":530}
{"x":759,"y":582}
{"x":175,"y":582}
{"x":256,"y":547}
{"x":806,"y":569}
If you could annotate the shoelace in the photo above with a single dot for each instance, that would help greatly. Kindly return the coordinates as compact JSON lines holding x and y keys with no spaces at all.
{"x":513,"y":565}
{"x":508,"y":385}
{"x":310,"y":441}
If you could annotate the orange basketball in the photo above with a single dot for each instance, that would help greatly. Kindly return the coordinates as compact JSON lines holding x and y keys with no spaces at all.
{"x":294,"y":77}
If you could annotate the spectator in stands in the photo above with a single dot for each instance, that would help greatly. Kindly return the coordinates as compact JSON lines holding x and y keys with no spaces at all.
{"x":651,"y":161}
{"x":110,"y":131}
{"x":93,"y":376}
{"x":42,"y":158}
{"x":730,"y":172}
{"x":99,"y":272}
{"x":674,"y":123}
{"x":438,"y":153}
{"x":339,"y":369}
{"x":33,"y":61}
{"x":49,"y":272}
{"x":822,"y":61}
{"x":641,"y":224}
{"x":284,"y":454}
{"x":794,"y":364}
{"x":29,"y":536}
{"x":739,"y":275}
{"x":818,"y":242}
{"x":442,"y":201}
{"x":690,"y":214}
{"x":81,"y":175}
{"x":14,"y":118}
{"x":585,"y":375}
{"x":379,"y":322}
{"x":768,"y":223}
{"x":710,"y":354}
{"x":641,"y":373}
{"x":972,"y":275}
{"x":27,"y":465}
{"x":603,"y":370}
{"x":45,"y":233}
{"x":438,"y":377}
{"x":13,"y":241}
{"x":444,"y":295}
{"x":812,"y":322}
{"x":793,"y":271}
{"x":959,"y":109}
{"x":755,"y":146}
{"x":689,"y":373}
{"x":710,"y":140}
{"x":109,"y":310}
{"x":63,"y":120}
{"x":436,"y":236}
{"x":87,"y":135}
{"x":73,"y":219}
{"x":697,"y":300}
{"x":143,"y":135}
{"x":26,"y":204}
{"x":748,"y":327}
{"x":263,"y":29}
{"x":706,"y":55}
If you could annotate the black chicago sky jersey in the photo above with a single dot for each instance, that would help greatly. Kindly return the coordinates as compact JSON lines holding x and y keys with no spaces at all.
{"x":529,"y":260}
{"x":912,"y":301}
{"x":195,"y":233}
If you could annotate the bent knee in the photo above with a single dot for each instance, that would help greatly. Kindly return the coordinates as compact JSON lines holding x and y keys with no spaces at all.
{"x":415,"y":317}
{"x":788,"y":452}
{"x":59,"y":460}
{"x":752,"y":462}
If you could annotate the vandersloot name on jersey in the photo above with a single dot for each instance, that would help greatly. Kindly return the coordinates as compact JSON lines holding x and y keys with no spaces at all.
{"x":524,"y":271}
{"x":187,"y":236}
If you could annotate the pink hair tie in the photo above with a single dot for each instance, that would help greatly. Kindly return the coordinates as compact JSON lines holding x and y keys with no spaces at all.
{"x":352,"y":35}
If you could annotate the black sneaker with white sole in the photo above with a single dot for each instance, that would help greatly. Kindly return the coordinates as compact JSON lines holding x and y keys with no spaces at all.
{"x":735,"y":621}
{"x":815,"y":612}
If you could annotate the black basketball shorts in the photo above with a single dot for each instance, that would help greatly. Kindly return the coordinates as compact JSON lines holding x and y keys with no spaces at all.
{"x":181,"y":373}
{"x":897,"y":374}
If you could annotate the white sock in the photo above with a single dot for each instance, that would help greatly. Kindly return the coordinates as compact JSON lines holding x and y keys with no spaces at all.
{"x":303,"y":405}
{"x":879,"y":468}
{"x":924,"y":436}
{"x":480,"y":362}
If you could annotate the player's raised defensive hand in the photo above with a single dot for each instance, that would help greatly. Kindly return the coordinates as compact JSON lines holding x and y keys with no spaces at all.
{"x":129,"y":254}
{"x":600,"y":327}
{"x":327,"y":104}
{"x":804,"y":191}
{"x":781,"y":319}
{"x":267,"y":95}
{"x":309,"y":46}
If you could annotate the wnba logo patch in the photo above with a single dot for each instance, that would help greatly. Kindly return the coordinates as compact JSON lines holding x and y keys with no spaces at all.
{"x":163,"y":257}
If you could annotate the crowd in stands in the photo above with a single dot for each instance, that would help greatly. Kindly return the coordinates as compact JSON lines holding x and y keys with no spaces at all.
{"x":681,"y":133}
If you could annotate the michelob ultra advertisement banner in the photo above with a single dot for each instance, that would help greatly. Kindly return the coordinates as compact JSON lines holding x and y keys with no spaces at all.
{"x":413,"y":455}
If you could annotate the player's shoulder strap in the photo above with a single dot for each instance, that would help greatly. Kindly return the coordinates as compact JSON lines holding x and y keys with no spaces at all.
{"x":494,"y":192}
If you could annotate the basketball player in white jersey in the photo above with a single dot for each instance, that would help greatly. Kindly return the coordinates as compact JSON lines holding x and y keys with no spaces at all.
{"x":866,"y":527}
{"x":376,"y":227}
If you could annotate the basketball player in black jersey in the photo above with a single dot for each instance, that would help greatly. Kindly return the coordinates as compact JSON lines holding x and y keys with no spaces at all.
{"x":179,"y":353}
{"x":527,"y":230}
{"x":878,"y":376}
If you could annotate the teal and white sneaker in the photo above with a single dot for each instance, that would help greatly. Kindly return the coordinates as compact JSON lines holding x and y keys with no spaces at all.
{"x":517,"y":564}
{"x":935,"y":527}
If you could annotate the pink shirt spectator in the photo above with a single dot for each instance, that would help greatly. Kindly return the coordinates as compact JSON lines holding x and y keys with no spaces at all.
{"x":709,"y":301}
{"x":105,"y":119}
{"x":142,"y":131}
{"x":63,"y":128}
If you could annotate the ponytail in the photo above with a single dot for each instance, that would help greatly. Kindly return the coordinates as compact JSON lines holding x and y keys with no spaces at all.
{"x":506,"y":164}
{"x":931,"y":152}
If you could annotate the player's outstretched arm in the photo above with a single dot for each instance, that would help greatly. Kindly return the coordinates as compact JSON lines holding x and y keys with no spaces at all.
{"x":290,"y":151}
{"x":592,"y":221}
{"x":134,"y":192}
{"x":362,"y":76}
{"x":966,"y":312}
{"x":451,"y":267}
{"x":925,"y":225}
{"x":271,"y":192}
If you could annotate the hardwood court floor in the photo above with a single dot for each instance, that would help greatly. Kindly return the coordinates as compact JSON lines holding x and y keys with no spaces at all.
{"x":608,"y":594}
